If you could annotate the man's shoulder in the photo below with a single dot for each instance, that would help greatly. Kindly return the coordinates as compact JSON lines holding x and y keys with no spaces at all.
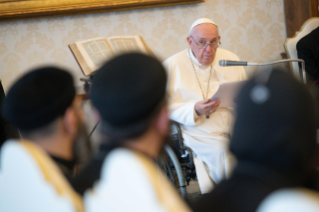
{"x":93,"y":172}
{"x":303,"y":41}
{"x":308,"y":39}
{"x":120,"y":164}
{"x":177,"y":57}
{"x":122,"y":157}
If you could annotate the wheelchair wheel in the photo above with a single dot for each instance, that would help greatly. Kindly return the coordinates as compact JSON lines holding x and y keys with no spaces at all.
{"x":171,"y":167}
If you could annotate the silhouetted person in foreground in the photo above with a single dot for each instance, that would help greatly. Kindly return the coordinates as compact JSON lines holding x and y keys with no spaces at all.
{"x":308,"y":50}
{"x":129,"y":94}
{"x":6,"y":129}
{"x":43,"y":105}
{"x":274,"y":141}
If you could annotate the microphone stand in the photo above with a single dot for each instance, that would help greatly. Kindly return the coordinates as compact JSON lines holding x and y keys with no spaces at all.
{"x":284,"y":61}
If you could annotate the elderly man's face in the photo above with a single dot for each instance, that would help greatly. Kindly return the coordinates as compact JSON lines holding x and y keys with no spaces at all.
{"x":204,"y":33}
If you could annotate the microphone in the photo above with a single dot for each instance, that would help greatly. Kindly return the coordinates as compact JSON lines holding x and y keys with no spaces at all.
{"x":302,"y":75}
{"x":234,"y":63}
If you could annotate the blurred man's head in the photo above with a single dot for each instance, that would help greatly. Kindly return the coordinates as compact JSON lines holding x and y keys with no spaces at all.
{"x":204,"y":31}
{"x":276,"y":124}
{"x":43,"y":105}
{"x":129,"y":95}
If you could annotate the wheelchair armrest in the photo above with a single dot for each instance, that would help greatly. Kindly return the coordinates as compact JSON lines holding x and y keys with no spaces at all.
{"x":182,"y":147}
{"x":179,"y":134}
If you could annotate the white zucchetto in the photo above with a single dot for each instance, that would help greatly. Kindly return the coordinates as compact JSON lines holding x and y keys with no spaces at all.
{"x":201,"y":21}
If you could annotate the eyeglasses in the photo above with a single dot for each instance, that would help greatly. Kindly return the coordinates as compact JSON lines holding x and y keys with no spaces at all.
{"x":203,"y":44}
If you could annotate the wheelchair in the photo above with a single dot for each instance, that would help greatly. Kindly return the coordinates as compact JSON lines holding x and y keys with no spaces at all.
{"x":177,"y":160}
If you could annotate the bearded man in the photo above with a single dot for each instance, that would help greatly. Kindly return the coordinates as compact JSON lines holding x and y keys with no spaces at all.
{"x":129,"y":97}
{"x":194,"y":75}
{"x":44,"y":106}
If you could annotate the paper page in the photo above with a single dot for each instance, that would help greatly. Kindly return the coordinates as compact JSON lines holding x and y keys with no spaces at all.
{"x":227,"y":93}
{"x":125,"y":44}
{"x":95,"y":51}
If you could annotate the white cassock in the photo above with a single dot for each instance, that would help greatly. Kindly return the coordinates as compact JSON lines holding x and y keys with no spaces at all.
{"x":30,"y":181}
{"x":208,"y":138}
{"x":132,"y":182}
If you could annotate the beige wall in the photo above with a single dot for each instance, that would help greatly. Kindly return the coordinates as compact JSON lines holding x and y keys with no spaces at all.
{"x":253,"y":29}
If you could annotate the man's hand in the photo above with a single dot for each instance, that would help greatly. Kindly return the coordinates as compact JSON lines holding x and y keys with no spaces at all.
{"x":206,"y":107}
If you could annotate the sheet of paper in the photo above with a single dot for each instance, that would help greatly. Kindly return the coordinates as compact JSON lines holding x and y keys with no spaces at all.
{"x":227,"y":93}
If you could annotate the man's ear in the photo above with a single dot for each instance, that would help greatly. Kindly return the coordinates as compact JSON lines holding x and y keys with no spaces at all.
{"x":162,"y":122}
{"x":189,"y":41}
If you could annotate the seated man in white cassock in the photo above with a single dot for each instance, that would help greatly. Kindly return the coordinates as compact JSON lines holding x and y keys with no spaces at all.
{"x":194,"y":75}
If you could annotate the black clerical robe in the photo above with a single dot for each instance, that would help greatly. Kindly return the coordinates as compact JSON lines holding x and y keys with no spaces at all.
{"x":308,"y":50}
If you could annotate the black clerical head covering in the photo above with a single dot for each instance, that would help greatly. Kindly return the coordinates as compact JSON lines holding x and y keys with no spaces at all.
{"x":276,"y":123}
{"x":126,"y":91}
{"x":38,"y":97}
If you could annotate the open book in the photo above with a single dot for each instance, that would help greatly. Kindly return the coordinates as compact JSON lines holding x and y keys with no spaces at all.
{"x":91,"y":54}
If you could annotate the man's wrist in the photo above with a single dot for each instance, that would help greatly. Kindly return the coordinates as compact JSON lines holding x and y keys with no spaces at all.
{"x":196,"y":114}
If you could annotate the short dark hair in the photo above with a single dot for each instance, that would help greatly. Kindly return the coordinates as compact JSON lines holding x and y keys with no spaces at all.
{"x":39,"y":97}
{"x":134,"y":130}
{"x":128,"y":91}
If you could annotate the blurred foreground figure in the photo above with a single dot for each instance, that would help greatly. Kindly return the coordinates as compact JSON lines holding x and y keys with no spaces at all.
{"x":308,"y":50}
{"x":129,"y":95}
{"x":274,"y":141}
{"x":43,"y":105}
{"x":6,"y":129}
{"x":302,"y":200}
